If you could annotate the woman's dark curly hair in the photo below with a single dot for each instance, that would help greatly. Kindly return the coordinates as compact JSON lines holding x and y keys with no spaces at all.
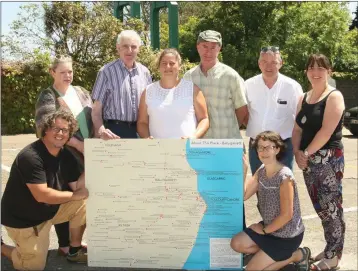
{"x":273,"y":137}
{"x":62,"y":113}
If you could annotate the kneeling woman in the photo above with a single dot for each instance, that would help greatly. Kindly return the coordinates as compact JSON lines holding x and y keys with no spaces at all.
{"x":275,"y":241}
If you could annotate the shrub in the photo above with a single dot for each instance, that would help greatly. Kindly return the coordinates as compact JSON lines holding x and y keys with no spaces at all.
{"x":20,"y":85}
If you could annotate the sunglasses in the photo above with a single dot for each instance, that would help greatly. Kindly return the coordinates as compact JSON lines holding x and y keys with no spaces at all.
{"x":273,"y":49}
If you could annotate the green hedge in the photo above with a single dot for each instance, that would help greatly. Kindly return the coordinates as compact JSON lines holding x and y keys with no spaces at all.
{"x":20,"y":85}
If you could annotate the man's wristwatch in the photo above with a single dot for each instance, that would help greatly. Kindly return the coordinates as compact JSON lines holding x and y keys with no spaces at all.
{"x":305,"y":153}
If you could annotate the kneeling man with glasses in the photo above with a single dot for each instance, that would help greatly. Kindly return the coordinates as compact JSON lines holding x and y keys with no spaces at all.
{"x":45,"y":188}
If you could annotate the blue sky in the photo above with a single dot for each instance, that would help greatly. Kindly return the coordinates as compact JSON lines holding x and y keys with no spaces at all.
{"x":9,"y":11}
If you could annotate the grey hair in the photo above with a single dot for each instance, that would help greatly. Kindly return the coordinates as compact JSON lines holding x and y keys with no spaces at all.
{"x":58,"y":60}
{"x":129,"y":34}
{"x":271,"y":53}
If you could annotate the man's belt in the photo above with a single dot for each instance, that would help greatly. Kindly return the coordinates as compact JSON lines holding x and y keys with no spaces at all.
{"x":129,"y":123}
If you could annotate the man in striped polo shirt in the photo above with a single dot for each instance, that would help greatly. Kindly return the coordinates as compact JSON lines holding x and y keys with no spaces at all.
{"x":117,"y":90}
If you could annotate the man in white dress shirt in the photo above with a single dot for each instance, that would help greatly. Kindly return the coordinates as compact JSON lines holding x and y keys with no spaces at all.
{"x":272,"y":102}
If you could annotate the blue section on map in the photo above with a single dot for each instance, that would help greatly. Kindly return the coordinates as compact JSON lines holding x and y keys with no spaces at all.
{"x":223,"y":195}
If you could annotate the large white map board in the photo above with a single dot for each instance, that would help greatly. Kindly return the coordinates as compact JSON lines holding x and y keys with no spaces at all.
{"x":166,"y":203}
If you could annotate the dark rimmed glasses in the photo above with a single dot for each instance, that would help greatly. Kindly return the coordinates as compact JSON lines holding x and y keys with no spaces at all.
{"x":273,"y":49}
{"x":64,"y":131}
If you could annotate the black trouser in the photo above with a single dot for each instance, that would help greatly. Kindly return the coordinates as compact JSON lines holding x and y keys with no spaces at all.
{"x":123,"y":129}
{"x":63,"y":229}
{"x":63,"y":234}
{"x":243,"y":216}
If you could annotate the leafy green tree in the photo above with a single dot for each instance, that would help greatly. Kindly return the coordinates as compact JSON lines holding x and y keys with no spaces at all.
{"x":85,"y":31}
{"x":199,"y":9}
{"x":309,"y":31}
{"x":188,"y":35}
{"x":346,"y":59}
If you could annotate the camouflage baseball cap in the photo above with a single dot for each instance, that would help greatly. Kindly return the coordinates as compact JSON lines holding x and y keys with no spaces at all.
{"x":211,"y":36}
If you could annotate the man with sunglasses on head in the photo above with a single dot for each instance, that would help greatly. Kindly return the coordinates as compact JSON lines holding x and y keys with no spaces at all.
{"x":272,"y":102}
{"x":45,"y":187}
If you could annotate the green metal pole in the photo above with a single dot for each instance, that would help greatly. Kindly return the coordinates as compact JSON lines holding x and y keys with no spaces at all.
{"x":173,"y":25}
{"x":118,"y":11}
{"x":135,"y":9}
{"x":154,"y":24}
{"x":173,"y":19}
{"x":119,"y":6}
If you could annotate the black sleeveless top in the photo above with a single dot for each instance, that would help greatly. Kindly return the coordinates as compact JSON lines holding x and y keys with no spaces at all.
{"x":310,"y":120}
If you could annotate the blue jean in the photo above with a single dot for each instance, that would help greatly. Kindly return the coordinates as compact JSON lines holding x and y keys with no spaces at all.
{"x":286,"y":159}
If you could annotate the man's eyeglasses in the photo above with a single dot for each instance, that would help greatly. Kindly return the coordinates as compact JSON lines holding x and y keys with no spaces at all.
{"x":273,"y":49}
{"x":57,"y":130}
{"x":267,"y":148}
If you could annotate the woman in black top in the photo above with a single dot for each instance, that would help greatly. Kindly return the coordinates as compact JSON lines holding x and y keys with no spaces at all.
{"x":318,"y":148}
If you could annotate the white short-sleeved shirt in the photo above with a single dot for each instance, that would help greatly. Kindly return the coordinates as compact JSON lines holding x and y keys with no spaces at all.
{"x":224,"y":92}
{"x":272,"y":109}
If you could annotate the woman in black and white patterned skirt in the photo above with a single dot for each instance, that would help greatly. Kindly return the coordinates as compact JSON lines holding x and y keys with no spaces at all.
{"x":319,"y":152}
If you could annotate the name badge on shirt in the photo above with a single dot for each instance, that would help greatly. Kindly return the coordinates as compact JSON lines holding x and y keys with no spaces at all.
{"x":279,"y":101}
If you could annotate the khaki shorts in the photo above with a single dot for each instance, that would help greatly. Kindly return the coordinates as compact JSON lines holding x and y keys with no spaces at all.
{"x":32,"y":243}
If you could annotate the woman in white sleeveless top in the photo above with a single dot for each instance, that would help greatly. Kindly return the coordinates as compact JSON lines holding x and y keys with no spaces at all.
{"x":172,"y":107}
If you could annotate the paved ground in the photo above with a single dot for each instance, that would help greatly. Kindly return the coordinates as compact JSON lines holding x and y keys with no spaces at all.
{"x":314,"y":238}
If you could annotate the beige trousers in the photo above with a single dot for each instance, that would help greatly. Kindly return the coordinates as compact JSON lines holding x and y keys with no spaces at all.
{"x":32,"y":243}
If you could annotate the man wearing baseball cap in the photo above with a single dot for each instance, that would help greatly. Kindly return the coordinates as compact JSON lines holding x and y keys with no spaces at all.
{"x":222,"y":86}
{"x":223,"y":89}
